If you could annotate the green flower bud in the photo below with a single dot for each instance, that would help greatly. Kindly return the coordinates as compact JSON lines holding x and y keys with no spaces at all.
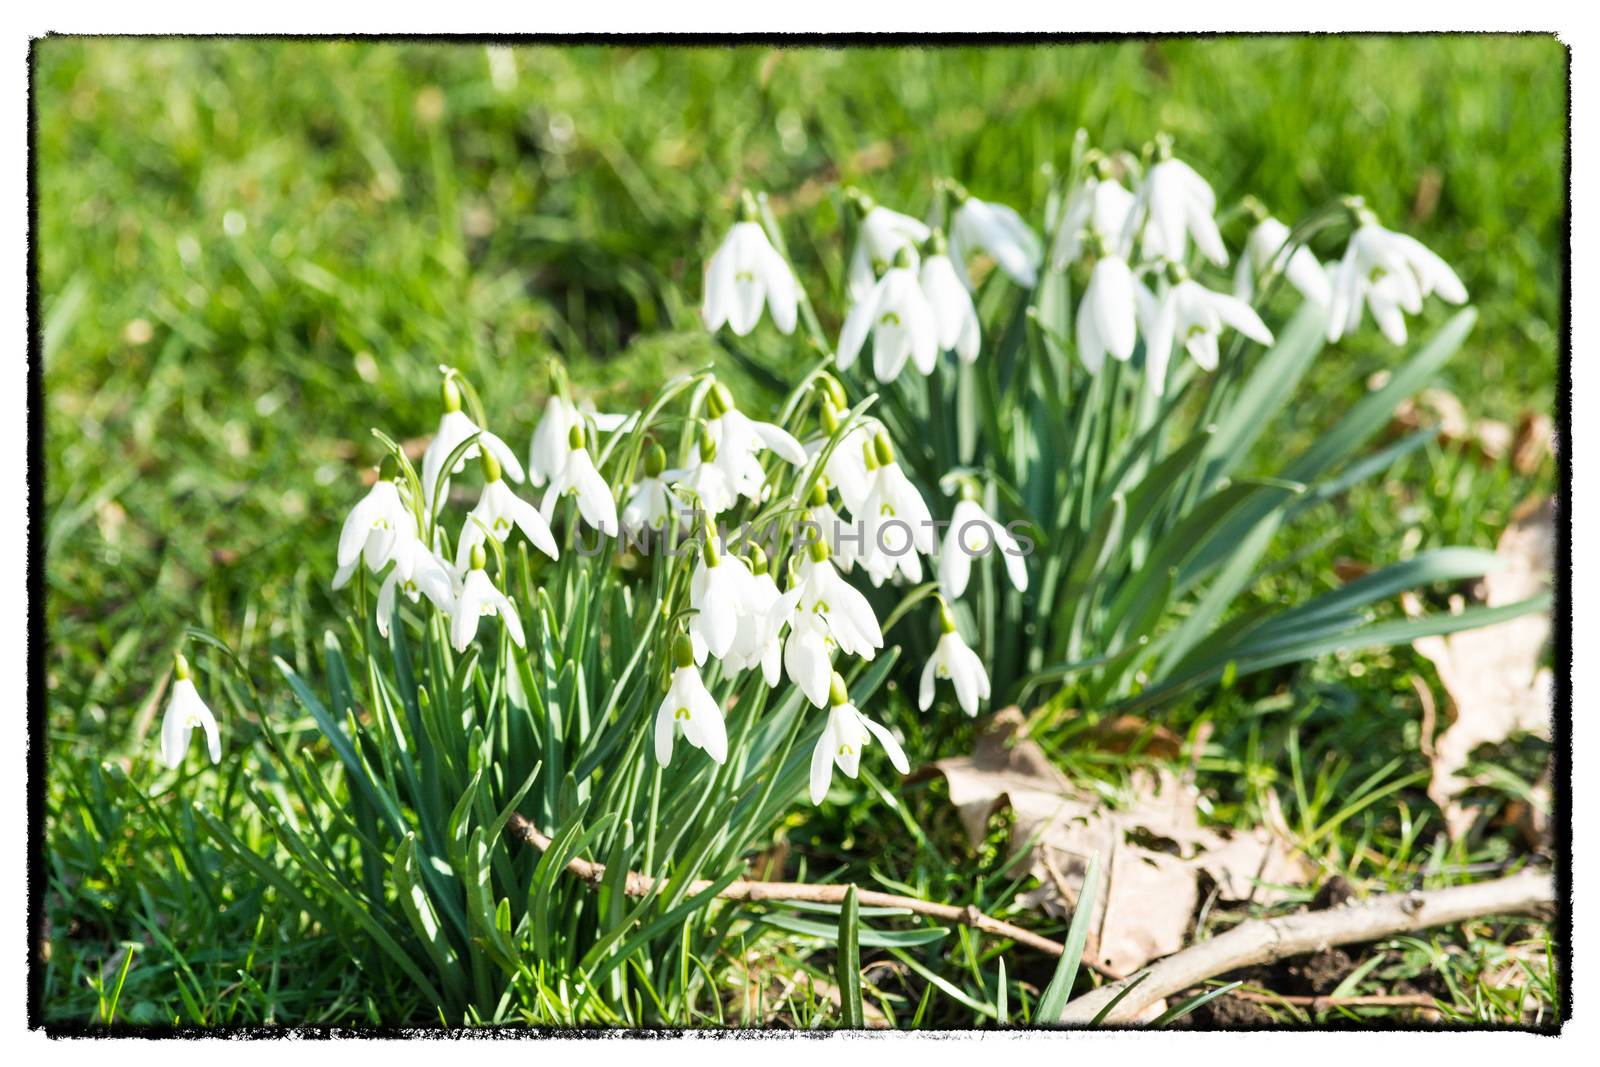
{"x":947,"y":618}
{"x":882,"y":449}
{"x":905,"y":258}
{"x":683,"y":651}
{"x":935,"y":244}
{"x":838,"y":692}
{"x":491,"y":465}
{"x":835,"y":392}
{"x":819,"y":493}
{"x":829,"y":417}
{"x":655,"y":460}
{"x":708,"y":447}
{"x":575,"y":436}
{"x":757,"y":559}
{"x":479,"y":560}
{"x":718,"y":400}
{"x":180,"y":666}
{"x":748,"y":211}
{"x":450,"y":392}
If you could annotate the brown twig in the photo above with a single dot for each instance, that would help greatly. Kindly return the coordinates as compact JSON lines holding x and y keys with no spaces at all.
{"x":1529,"y":892}
{"x":1324,"y":1002}
{"x":638,"y":885}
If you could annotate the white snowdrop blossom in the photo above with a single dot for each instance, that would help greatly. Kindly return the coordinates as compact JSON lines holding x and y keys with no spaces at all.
{"x":998,"y":231}
{"x":846,"y":734}
{"x":883,"y":233}
{"x":740,"y":439}
{"x":185,"y":711}
{"x":650,"y":503}
{"x":455,"y":426}
{"x":846,"y":467}
{"x":417,"y":572}
{"x":479,"y":598}
{"x":1189,"y":312}
{"x":973,"y":533}
{"x":952,"y":659}
{"x":897,"y":524}
{"x":1262,"y":252}
{"x":1179,"y":204}
{"x":372,"y":530}
{"x":690,"y":707}
{"x":744,"y":273}
{"x":1107,"y":314}
{"x":580,"y":479}
{"x":720,"y":592}
{"x":841,"y":606}
{"x":713,"y":491}
{"x":955,"y":320}
{"x":896,"y":312}
{"x":760,"y":636}
{"x":808,"y":656}
{"x":1099,"y":205}
{"x":552,"y":438}
{"x":1389,"y":273}
{"x":499,"y":511}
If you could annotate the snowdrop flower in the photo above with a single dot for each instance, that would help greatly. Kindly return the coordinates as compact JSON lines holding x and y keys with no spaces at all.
{"x":897,"y":522}
{"x":1188,"y":311}
{"x":897,"y":314}
{"x":720,"y":592}
{"x":479,"y":597}
{"x":416,"y":572}
{"x":1263,"y":247}
{"x":371,"y":531}
{"x":759,"y":638}
{"x":552,"y":438}
{"x":997,"y":230}
{"x":952,"y":659}
{"x":499,"y":510}
{"x":1102,"y":205}
{"x":455,"y":427}
{"x":807,"y":656}
{"x":841,"y":607}
{"x":955,"y":320}
{"x":650,"y":503}
{"x":883,"y":234}
{"x":847,"y":733}
{"x":972,"y":533}
{"x":579,"y":478}
{"x":744,"y":273}
{"x":1390,"y":273}
{"x":738,"y":439}
{"x":185,"y":711}
{"x":1179,"y":204}
{"x":1106,"y":314}
{"x":689,"y":705}
{"x":709,"y":483}
{"x":830,"y":527}
{"x":846,"y":468}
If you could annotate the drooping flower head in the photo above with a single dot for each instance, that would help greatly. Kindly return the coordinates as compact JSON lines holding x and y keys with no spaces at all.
{"x":746,"y":272}
{"x":372,"y":530}
{"x":455,"y":426}
{"x":1389,"y":273}
{"x":996,"y":230}
{"x":185,"y":711}
{"x":689,"y":707}
{"x":896,"y":313}
{"x":846,"y":734}
{"x":480,"y":598}
{"x":498,"y":512}
{"x":952,"y":659}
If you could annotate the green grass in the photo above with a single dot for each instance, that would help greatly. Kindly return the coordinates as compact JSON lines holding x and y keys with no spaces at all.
{"x":250,"y":252}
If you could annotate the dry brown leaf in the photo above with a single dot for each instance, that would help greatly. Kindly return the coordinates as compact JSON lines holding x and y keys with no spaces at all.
{"x":1152,"y":849}
{"x":1492,"y":674}
{"x":1490,"y":438}
{"x":1535,"y":432}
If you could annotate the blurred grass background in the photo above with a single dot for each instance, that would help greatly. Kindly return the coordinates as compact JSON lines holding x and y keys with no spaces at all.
{"x":250,"y":252}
